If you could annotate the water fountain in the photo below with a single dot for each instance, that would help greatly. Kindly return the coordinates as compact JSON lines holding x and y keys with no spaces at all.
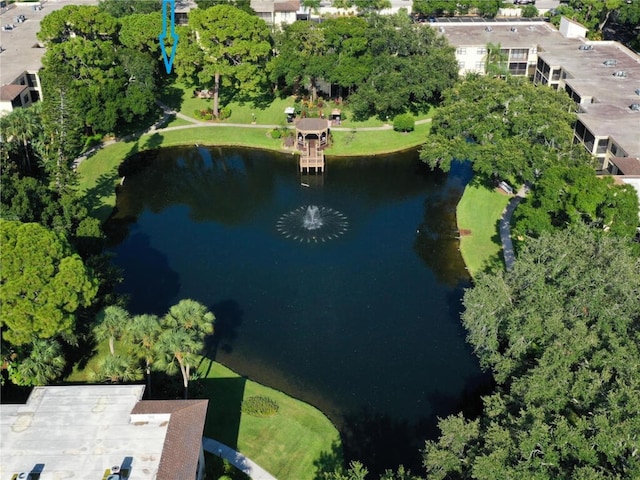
{"x":312,"y":224}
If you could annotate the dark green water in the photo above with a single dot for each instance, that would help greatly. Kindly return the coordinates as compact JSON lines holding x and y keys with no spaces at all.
{"x":364,"y":326}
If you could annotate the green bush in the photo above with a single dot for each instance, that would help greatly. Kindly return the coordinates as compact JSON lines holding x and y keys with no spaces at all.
{"x":529,"y":11}
{"x":259,"y":406}
{"x":404,"y":123}
{"x":224,"y":113}
{"x":276,"y":133}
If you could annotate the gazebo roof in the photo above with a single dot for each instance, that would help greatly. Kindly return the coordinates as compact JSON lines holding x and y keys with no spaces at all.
{"x":312,"y":125}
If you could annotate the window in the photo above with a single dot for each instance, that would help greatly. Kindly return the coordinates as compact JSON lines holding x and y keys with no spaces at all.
{"x":461,"y":65}
{"x":614,"y":149}
{"x":461,"y":51}
{"x":31,"y":80}
{"x":602,"y":145}
{"x":555,"y":75}
{"x":481,"y":51}
{"x":518,"y":68}
{"x":480,"y":67}
{"x":519,"y":53}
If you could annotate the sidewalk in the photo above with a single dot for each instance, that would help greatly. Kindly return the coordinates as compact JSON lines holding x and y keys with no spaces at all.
{"x":505,"y":229}
{"x":255,"y":471}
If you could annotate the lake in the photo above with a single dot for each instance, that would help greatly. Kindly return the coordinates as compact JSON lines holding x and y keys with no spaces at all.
{"x":358,"y":315}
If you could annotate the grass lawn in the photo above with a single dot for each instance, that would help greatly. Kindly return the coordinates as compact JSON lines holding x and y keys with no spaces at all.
{"x":376,"y":142}
{"x":479,"y":211}
{"x":181,"y":97}
{"x":289,"y":444}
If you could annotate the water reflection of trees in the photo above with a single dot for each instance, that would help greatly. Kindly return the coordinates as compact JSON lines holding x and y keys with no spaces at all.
{"x":437,"y":241}
{"x":217,"y":184}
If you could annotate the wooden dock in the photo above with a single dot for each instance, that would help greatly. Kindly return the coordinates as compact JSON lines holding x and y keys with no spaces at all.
{"x":312,"y":157}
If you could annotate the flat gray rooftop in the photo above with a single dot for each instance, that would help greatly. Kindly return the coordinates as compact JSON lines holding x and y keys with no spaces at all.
{"x":79,"y":432}
{"x":18,"y":53}
{"x":609,"y":114}
{"x":512,"y":34}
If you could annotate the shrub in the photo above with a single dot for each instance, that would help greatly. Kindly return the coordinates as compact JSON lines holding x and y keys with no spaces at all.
{"x":259,"y":406}
{"x":224,"y":113}
{"x":404,"y":123}
{"x":276,"y":133}
{"x":529,"y":11}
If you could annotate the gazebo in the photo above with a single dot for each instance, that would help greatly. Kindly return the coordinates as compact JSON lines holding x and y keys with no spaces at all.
{"x":312,"y":136}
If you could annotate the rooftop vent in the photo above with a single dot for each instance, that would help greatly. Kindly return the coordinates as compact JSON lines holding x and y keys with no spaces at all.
{"x":488,"y":29}
{"x":585,"y":47}
{"x":620,"y":73}
{"x":514,"y":29}
{"x":638,"y":91}
{"x":635,"y":107}
{"x":441,"y":29}
{"x":610,"y":62}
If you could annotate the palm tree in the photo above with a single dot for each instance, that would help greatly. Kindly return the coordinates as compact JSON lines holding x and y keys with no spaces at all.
{"x":497,"y":62}
{"x":177,"y":349}
{"x":21,"y":126}
{"x":191,"y":316}
{"x":142,"y":333}
{"x":44,"y":364}
{"x":112,"y":323}
{"x":116,"y":368}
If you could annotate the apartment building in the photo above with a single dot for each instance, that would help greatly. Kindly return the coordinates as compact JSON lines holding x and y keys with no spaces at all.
{"x":602,"y":77}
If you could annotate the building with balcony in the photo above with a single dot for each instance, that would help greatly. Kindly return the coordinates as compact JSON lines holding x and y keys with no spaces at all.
{"x":602,"y":77}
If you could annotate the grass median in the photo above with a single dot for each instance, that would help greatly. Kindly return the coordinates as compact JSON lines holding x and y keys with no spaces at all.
{"x":478,"y":214}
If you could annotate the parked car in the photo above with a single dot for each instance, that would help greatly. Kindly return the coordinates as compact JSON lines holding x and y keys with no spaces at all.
{"x":524,"y":2}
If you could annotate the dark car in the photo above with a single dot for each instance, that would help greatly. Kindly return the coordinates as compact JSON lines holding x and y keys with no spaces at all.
{"x":524,"y":2}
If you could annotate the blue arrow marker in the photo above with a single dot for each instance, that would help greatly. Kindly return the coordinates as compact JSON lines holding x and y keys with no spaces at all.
{"x":168,"y":60}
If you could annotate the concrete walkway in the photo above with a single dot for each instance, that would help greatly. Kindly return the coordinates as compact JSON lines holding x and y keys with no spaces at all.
{"x":255,"y":471}
{"x":505,"y":228}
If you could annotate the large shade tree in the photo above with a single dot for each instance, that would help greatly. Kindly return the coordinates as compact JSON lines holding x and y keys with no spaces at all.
{"x":565,"y":196}
{"x":42,"y":283}
{"x":106,"y":83}
{"x":224,"y":45}
{"x":413,"y":66}
{"x":505,"y":127}
{"x":560,"y":334}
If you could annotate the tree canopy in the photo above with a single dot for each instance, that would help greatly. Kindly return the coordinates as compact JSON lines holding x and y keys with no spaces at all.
{"x":565,"y":196}
{"x":87,"y":68}
{"x":505,"y":127}
{"x":223,"y":43}
{"x":560,"y":334}
{"x":42,"y":283}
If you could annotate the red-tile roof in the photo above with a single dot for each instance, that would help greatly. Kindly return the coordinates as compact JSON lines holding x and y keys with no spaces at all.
{"x":9,"y":92}
{"x":182,"y":445}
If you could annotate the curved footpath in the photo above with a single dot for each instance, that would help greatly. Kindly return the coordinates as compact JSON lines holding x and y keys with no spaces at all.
{"x":251,"y":468}
{"x":505,"y":228}
{"x":193,"y":123}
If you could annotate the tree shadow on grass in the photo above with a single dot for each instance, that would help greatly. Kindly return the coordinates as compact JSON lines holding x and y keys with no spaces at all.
{"x":225,"y":408}
{"x":172,"y":97}
{"x":329,"y":461}
{"x":105,"y":186}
